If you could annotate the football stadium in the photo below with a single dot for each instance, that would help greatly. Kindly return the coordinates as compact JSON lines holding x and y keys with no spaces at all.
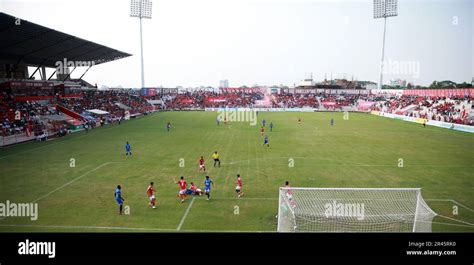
{"x":325,"y":155}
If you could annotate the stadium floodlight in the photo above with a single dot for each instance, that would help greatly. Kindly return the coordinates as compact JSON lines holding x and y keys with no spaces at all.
{"x":141,"y":9}
{"x":353,"y":210}
{"x":384,"y":9}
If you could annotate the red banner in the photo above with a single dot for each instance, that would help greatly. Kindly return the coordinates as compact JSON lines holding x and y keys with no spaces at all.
{"x":32,"y":98}
{"x":216,"y":99}
{"x":77,"y":95}
{"x":69,"y":112}
{"x":245,"y":90}
{"x":37,"y":84}
{"x":439,"y":92}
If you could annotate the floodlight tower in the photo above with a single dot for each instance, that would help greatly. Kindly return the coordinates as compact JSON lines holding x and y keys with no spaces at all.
{"x":384,"y":9}
{"x":141,"y":9}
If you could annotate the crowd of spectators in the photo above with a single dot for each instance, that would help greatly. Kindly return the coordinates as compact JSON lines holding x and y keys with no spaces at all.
{"x":117,"y":103}
{"x":22,"y":116}
{"x":110,"y":101}
{"x":319,"y":100}
{"x":208,"y":99}
{"x":290,"y":100}
{"x":19,"y":116}
{"x":454,"y":110}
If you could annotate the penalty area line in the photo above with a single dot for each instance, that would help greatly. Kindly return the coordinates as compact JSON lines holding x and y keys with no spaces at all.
{"x":450,"y":200}
{"x":89,"y":227}
{"x":72,"y":181}
{"x":164,"y":229}
{"x":185,"y":214}
{"x":67,"y":184}
{"x":239,"y":199}
{"x":456,"y":220}
{"x":132,"y":228}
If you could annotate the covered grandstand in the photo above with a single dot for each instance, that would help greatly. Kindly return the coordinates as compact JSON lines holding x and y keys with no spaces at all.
{"x":28,"y":44}
{"x":24,"y":100}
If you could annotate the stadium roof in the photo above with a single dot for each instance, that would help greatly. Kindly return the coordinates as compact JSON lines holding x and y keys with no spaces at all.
{"x":24,"y":42}
{"x":97,"y":111}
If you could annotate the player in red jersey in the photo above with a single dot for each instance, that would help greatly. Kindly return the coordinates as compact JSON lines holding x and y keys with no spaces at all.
{"x":201,"y":165}
{"x":151,"y":196}
{"x":262,"y":131}
{"x":194,"y":190}
{"x":182,"y":188}
{"x":238,"y":188}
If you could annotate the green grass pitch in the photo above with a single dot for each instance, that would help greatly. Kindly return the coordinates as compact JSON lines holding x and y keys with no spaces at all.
{"x":363,"y":151}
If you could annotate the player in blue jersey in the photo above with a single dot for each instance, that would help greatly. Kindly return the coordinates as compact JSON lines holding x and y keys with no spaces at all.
{"x":128,"y":150}
{"x":119,"y":198}
{"x":264,"y":122}
{"x":207,"y":187}
{"x":265,"y":141}
{"x":271,"y":126}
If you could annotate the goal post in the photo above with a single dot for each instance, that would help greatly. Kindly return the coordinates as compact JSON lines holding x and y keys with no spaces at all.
{"x":353,"y":210}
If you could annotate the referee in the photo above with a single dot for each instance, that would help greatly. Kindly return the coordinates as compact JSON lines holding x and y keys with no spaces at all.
{"x":216,"y":159}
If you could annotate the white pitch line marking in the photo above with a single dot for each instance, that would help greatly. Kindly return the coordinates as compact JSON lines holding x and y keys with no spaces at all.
{"x":132,"y":228}
{"x":185,"y":214}
{"x":55,"y":142}
{"x":164,"y":229}
{"x":35,"y":148}
{"x":67,"y":184}
{"x":350,"y":163}
{"x":72,"y":181}
{"x":456,"y":220}
{"x":450,"y":224}
{"x":88,"y":227}
{"x":450,"y":200}
{"x":238,"y":199}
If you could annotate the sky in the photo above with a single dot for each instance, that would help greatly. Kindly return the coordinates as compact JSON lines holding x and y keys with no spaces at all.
{"x":193,"y":43}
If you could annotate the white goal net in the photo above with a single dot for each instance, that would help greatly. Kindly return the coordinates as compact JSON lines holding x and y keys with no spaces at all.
{"x":353,"y":210}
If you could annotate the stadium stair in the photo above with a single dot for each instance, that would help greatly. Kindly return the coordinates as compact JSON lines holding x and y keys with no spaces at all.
{"x":407,"y":109}
{"x":83,"y":83}
{"x":122,"y":106}
{"x":69,"y":112}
